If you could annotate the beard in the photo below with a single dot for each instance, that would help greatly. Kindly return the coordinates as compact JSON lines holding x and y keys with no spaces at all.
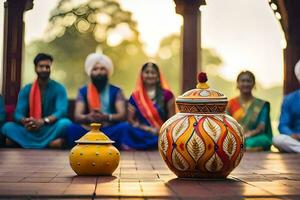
{"x":99,"y":81}
{"x":43,"y":75}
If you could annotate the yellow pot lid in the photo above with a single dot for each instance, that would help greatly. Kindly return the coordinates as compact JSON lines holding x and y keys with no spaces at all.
{"x":95,"y":136}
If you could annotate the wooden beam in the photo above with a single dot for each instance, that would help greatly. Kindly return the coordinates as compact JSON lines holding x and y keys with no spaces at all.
{"x":284,"y":16}
{"x":290,"y":21}
{"x":191,"y":40}
{"x":13,"y":47}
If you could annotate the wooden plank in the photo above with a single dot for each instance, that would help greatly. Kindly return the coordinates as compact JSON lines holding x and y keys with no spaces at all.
{"x":13,"y":47}
{"x":191,"y":41}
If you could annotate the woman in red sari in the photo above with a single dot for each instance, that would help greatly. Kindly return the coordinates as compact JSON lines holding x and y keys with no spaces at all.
{"x":252,"y":113}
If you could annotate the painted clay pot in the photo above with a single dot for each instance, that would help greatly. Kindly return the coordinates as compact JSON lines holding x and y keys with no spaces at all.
{"x":201,"y":140}
{"x":94,"y":154}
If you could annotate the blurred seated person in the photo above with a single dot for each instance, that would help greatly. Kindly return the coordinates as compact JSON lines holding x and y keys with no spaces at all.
{"x":289,"y":122}
{"x":150,"y":105}
{"x":98,"y":101}
{"x":40,"y":111}
{"x":2,"y":120}
{"x":252,"y":113}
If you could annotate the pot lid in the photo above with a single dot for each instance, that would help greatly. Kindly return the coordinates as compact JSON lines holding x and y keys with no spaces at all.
{"x":202,"y":93}
{"x":95,"y":136}
{"x":202,"y":99}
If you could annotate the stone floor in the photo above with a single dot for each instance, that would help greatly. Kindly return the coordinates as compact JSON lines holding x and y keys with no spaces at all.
{"x":45,"y":174}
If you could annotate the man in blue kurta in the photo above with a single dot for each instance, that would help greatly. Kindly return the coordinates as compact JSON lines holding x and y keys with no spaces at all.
{"x":289,"y":123}
{"x":41,"y":110}
{"x":98,"y":101}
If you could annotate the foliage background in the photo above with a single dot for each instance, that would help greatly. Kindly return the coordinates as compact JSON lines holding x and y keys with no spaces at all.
{"x":103,"y":26}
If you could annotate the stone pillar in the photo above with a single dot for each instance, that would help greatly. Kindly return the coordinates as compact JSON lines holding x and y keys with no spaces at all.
{"x":191,"y":41}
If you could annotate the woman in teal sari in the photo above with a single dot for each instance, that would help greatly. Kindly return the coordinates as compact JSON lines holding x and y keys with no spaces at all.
{"x":252,"y":113}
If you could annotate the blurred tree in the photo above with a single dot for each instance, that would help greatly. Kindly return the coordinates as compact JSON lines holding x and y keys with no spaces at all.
{"x":74,"y":31}
{"x":168,"y":58}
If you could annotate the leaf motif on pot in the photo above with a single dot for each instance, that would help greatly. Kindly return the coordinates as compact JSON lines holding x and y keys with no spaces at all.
{"x":236,"y":127}
{"x":238,"y":159}
{"x":178,"y":161}
{"x":180,"y":128}
{"x":204,"y":93}
{"x":229,"y":145}
{"x":241,"y":132}
{"x":212,"y":128}
{"x":163,"y":143}
{"x":198,"y":117}
{"x":188,"y":93}
{"x":214,"y":164}
{"x":170,"y":121}
{"x":219,"y":118}
{"x":195,"y":147}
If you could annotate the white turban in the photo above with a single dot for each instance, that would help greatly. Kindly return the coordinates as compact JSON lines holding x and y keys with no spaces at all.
{"x":297,"y":70}
{"x":94,"y":58}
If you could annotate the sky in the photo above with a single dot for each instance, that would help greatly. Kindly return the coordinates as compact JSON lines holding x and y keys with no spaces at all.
{"x":245,"y":33}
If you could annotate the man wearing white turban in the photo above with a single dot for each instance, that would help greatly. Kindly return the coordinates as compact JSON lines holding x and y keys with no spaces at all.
{"x":289,"y":123}
{"x":103,"y":60}
{"x":98,"y":101}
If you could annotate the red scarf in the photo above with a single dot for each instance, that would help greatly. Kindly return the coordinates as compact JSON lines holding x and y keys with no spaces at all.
{"x":35,"y":101}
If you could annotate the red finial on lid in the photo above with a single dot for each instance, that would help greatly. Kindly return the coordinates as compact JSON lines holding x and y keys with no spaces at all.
{"x":202,"y":77}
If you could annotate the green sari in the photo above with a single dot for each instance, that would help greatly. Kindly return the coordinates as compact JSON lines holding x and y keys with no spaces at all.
{"x":258,"y":112}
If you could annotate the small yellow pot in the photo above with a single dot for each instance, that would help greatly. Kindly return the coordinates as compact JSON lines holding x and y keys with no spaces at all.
{"x":94,"y":154}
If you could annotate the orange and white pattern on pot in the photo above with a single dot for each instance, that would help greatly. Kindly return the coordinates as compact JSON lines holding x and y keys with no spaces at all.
{"x":206,"y":143}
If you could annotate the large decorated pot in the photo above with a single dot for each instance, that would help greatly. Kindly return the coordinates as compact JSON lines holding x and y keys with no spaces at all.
{"x":201,"y":140}
{"x":94,"y":154}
